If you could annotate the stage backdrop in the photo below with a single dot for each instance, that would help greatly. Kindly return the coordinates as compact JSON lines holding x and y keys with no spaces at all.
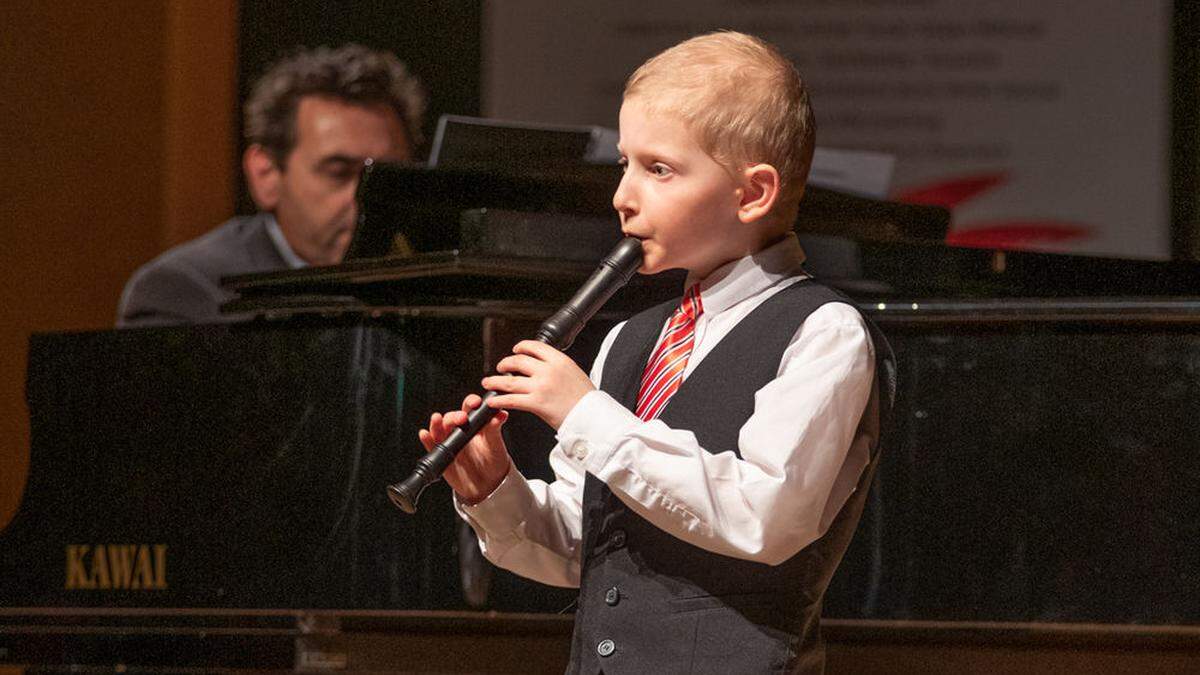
{"x":1044,"y":125}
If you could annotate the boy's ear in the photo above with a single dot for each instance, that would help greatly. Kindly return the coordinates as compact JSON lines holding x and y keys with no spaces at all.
{"x":263,"y":176}
{"x":760,"y":191}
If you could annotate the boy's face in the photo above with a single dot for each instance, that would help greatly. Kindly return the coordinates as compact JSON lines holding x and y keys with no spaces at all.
{"x":674,"y":197}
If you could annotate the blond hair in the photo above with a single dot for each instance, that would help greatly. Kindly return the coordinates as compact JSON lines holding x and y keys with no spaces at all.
{"x":742,"y":98}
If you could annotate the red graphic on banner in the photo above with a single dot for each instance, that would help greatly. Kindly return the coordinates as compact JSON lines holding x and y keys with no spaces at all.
{"x":1015,"y":234}
{"x":951,"y":193}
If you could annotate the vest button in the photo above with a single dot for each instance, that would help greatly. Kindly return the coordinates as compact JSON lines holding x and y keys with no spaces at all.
{"x":617,"y":540}
{"x":606,"y":648}
{"x":612,"y":596}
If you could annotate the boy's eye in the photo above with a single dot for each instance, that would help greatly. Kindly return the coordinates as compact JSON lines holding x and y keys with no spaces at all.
{"x":659,"y":169}
{"x":623,"y":163}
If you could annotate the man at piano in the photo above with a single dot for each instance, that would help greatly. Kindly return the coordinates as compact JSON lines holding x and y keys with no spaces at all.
{"x":310,"y":122}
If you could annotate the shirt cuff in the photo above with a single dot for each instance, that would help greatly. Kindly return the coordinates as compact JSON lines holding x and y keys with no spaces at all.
{"x":591,"y":431}
{"x":499,"y":513}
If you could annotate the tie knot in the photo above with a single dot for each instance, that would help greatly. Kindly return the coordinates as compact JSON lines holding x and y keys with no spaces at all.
{"x":691,"y":306}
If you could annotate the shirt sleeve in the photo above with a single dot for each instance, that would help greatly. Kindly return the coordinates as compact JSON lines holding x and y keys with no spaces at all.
{"x":802,"y":450}
{"x":534,"y":528}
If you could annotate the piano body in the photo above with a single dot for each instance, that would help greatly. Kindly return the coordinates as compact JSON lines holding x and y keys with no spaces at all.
{"x":213,"y":496}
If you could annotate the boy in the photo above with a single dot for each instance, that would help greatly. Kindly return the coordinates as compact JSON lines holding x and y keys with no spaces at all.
{"x":708,"y":488}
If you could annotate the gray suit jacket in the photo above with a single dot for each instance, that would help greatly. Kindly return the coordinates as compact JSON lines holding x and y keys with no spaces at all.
{"x":183,"y":285}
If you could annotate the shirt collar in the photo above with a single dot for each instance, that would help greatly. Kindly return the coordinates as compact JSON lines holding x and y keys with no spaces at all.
{"x":285,"y":250}
{"x":740,"y":279}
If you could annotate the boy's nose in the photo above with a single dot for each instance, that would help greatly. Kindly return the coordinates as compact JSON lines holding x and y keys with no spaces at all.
{"x":623,"y":199}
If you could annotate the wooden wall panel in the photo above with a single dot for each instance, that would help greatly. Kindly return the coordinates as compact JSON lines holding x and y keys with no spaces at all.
{"x":200,"y":144}
{"x":104,"y":110}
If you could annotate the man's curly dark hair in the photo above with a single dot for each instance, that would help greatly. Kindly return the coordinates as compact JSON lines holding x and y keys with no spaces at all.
{"x":352,"y":73}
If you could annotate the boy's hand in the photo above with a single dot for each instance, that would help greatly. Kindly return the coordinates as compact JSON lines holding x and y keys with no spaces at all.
{"x":539,"y":379}
{"x":482,"y":465}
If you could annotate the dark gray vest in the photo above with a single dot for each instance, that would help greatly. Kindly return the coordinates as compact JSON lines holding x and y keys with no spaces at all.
{"x":651,"y":603}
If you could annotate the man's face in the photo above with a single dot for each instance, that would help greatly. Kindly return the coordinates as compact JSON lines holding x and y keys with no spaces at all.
{"x":674,"y":197}
{"x":316,"y":209}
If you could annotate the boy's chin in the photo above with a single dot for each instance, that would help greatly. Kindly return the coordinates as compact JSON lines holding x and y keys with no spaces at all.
{"x":655,"y":259}
{"x":651,"y":266}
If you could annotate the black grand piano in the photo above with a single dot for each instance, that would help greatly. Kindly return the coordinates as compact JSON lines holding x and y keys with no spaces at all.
{"x":212,"y":497}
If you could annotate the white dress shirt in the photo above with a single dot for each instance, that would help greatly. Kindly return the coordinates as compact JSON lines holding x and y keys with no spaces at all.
{"x":802,"y":450}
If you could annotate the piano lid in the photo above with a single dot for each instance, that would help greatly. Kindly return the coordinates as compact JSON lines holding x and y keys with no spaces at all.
{"x":406,"y":209}
{"x":464,"y":236}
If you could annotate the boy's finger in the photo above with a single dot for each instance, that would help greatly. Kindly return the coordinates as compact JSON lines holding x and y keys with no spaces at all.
{"x":471,"y":402}
{"x":539,"y":350}
{"x":518,"y":363}
{"x":435,"y":427}
{"x":507,"y":383}
{"x":496,"y":422}
{"x":492,"y":431}
{"x":455,"y":418}
{"x":510,"y":402}
{"x":426,"y":440}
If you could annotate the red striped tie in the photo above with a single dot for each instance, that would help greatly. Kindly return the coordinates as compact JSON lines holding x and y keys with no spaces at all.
{"x":664,"y":371}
